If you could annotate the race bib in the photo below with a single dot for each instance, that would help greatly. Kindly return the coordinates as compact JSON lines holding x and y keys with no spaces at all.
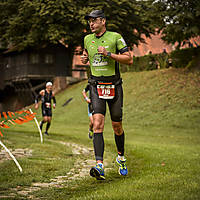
{"x":48,"y":105}
{"x":106,"y":91}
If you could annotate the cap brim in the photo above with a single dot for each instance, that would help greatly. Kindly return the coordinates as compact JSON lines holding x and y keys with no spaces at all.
{"x":93,"y":16}
{"x":90,"y":16}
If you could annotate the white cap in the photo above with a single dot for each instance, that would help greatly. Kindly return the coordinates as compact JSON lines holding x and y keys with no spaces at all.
{"x":49,"y":84}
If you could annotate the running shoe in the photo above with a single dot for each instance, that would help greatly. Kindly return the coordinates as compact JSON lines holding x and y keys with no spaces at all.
{"x":46,"y":133}
{"x":90,"y":134}
{"x":122,"y":167}
{"x":97,"y":172}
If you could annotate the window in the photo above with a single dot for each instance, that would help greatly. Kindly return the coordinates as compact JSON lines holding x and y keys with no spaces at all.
{"x":34,"y":58}
{"x":48,"y":58}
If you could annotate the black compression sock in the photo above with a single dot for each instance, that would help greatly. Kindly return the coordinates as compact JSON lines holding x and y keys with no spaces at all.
{"x":98,"y":143}
{"x":119,"y":140}
{"x":48,"y":125}
{"x":41,"y":124}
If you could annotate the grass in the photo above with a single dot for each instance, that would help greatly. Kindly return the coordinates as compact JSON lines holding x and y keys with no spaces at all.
{"x":162,"y":126}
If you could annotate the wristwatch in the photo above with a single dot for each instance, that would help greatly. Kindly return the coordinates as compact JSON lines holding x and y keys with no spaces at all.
{"x":108,"y":53}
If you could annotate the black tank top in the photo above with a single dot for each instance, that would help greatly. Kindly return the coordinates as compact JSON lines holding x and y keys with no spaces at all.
{"x":46,"y":99}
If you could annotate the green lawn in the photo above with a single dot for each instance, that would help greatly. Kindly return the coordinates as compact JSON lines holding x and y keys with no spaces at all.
{"x":162,"y":127}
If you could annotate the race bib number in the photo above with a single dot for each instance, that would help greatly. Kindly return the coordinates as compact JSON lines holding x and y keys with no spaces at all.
{"x":106,"y":91}
{"x":48,"y":105}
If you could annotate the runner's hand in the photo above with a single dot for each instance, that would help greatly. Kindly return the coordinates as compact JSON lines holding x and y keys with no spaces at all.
{"x":102,"y":50}
{"x":36,"y":106}
{"x":89,"y":101}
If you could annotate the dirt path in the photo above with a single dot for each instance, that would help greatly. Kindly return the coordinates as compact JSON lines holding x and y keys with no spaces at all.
{"x":17,"y":153}
{"x":80,"y":170}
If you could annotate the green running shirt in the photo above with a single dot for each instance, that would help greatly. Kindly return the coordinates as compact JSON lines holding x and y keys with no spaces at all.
{"x":102,"y":65}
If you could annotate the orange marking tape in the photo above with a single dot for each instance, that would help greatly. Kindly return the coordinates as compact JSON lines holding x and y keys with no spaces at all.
{"x":1,"y":134}
{"x":4,"y":114}
{"x":10,"y":114}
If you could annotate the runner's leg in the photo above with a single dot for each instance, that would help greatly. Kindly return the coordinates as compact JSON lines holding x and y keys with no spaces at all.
{"x":91,"y":123}
{"x":43,"y":122}
{"x":119,"y":137}
{"x":115,"y":107}
{"x":99,"y":110}
{"x":48,"y":123}
{"x":91,"y":133}
{"x":98,"y":140}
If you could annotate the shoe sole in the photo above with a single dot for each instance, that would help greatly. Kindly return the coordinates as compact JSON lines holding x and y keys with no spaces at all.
{"x":95,"y":173}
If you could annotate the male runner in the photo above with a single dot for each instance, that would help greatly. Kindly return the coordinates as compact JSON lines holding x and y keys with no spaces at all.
{"x":46,"y":96}
{"x":105,"y":50}
{"x":90,"y":110}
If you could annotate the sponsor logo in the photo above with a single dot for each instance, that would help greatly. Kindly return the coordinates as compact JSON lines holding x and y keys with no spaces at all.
{"x":99,"y":60}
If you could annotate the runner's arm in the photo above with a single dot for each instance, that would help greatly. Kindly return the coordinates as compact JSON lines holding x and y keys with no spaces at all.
{"x":124,"y":58}
{"x":85,"y":96}
{"x":54,"y":100}
{"x":38,"y":97}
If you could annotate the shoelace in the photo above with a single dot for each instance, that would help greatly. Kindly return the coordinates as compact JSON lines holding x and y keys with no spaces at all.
{"x":123,"y":165}
{"x":99,"y":167}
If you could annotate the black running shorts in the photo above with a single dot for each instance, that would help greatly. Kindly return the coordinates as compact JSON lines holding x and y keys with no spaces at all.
{"x":115,"y":105}
{"x":46,"y":112}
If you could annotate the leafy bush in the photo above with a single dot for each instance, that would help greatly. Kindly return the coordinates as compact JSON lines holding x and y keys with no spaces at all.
{"x":148,"y":62}
{"x":182,"y":57}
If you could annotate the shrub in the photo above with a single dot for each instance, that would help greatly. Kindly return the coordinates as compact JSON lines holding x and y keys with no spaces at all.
{"x":182,"y":57}
{"x":148,"y":62}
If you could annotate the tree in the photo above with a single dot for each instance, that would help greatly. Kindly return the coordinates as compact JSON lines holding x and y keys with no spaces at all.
{"x":30,"y":23}
{"x":25,"y":23}
{"x":180,"y":19}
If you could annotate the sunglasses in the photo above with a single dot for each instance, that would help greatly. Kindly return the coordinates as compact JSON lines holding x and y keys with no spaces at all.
{"x":94,"y":20}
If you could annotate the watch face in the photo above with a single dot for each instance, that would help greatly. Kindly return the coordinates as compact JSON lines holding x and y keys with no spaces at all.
{"x":109,"y":54}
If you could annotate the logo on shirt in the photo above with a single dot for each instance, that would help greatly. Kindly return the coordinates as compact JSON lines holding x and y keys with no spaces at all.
{"x":99,"y":60}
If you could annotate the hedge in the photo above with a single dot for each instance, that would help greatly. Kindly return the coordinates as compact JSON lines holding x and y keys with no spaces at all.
{"x":182,"y":58}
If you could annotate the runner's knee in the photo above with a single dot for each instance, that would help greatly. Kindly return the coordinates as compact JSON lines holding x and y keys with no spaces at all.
{"x":117,"y":127}
{"x":98,"y":126}
{"x":98,"y":123}
{"x":45,"y":119}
